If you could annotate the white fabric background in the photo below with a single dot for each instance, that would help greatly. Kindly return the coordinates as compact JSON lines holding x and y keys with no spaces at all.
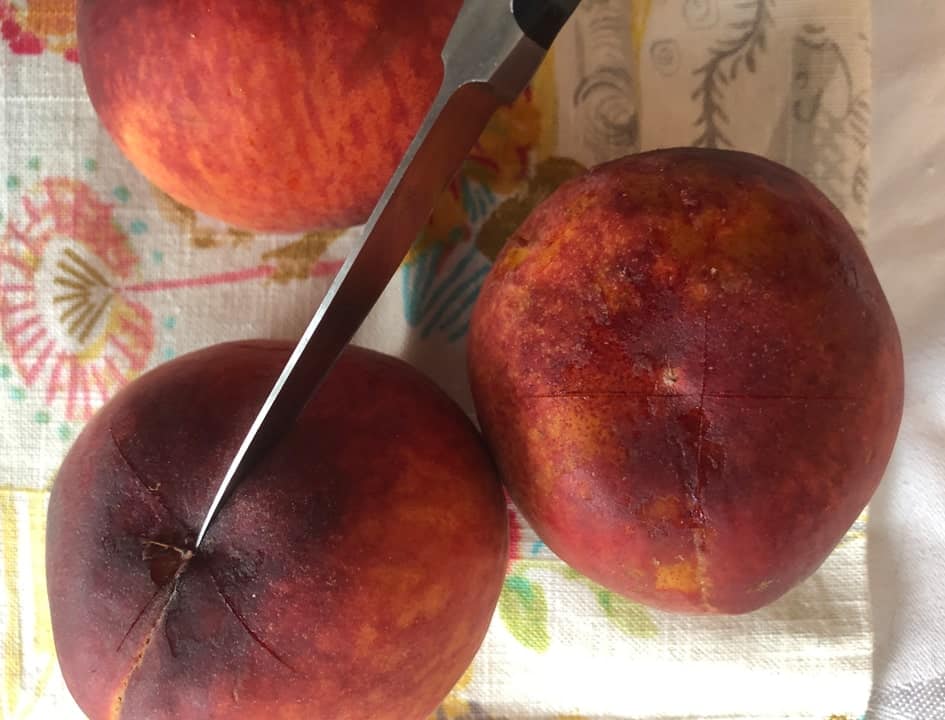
{"x":906,"y":535}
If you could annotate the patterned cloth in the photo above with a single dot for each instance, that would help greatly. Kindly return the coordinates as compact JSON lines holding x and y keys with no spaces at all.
{"x":103,"y":277}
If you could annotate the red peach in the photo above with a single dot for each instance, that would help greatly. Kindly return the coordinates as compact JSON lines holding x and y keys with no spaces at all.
{"x":689,"y":375}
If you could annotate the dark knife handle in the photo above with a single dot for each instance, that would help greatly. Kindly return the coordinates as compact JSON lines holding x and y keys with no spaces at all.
{"x":542,"y":20}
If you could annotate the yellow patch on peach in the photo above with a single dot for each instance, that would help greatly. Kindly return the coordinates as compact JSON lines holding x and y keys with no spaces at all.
{"x":394,"y":580}
{"x":132,"y":140}
{"x":514,"y":257}
{"x":427,"y":603}
{"x":664,"y":508}
{"x":682,"y":576}
{"x":581,"y":431}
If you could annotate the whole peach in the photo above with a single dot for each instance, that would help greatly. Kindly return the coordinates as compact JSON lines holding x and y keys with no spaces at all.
{"x":281,"y":116}
{"x":689,"y":375}
{"x":353,"y":574}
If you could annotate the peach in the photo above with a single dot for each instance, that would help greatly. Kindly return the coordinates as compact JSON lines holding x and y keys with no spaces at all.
{"x":281,"y":116}
{"x":689,"y":376}
{"x":352,"y":575}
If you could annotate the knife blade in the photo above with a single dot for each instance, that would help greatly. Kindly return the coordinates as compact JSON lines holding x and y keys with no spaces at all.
{"x":492,"y":52}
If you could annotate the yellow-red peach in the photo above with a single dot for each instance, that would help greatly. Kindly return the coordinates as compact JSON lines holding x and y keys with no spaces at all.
{"x":280,"y":116}
{"x":352,"y":575}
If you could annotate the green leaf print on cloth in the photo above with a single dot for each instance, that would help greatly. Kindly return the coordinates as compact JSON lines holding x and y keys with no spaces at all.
{"x":524,"y":610}
{"x":631,"y":618}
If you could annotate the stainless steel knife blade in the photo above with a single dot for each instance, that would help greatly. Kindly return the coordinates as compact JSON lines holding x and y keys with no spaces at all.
{"x":492,"y":52}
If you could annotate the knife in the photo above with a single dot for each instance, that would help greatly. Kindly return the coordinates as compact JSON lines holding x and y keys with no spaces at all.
{"x":491,"y":54}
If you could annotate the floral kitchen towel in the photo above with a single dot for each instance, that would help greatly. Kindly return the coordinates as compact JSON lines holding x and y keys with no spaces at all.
{"x":103,"y":277}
